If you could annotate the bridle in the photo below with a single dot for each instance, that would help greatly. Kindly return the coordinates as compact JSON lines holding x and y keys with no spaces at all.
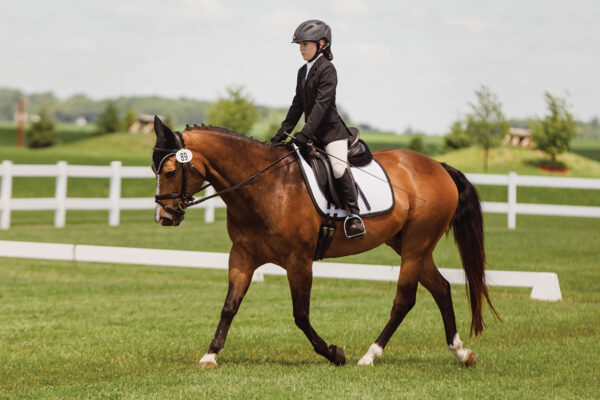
{"x":187,"y":200}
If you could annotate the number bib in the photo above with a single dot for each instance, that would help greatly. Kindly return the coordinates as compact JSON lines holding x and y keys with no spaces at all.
{"x":183,"y":156}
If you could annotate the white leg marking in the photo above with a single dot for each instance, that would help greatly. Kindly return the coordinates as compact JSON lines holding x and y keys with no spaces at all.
{"x":209,"y":360}
{"x":457,"y":349}
{"x":375,"y":351}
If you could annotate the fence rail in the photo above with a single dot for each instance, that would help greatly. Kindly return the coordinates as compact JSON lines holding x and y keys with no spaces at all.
{"x":544,"y":285}
{"x":114,"y":203}
{"x":115,"y":172}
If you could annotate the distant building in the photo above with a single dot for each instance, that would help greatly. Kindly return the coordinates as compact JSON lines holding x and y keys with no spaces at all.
{"x":81,"y":121}
{"x":144,"y":124}
{"x":518,"y":137}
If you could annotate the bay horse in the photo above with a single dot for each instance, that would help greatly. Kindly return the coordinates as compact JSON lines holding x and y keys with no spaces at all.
{"x":271,"y":219}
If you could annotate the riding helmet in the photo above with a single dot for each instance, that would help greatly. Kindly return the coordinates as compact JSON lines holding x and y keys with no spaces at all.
{"x":312,"y":30}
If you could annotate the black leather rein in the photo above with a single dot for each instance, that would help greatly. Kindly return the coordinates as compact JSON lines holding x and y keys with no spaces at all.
{"x":187,"y":200}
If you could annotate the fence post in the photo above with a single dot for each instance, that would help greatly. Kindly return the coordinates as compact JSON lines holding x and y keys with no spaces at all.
{"x":115,"y":193}
{"x":61,"y":195}
{"x":512,"y":200}
{"x":209,"y":210}
{"x":6,"y":194}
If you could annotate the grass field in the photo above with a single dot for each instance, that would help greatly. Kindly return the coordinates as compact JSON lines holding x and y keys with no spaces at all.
{"x":92,"y":330}
{"x":113,"y":331}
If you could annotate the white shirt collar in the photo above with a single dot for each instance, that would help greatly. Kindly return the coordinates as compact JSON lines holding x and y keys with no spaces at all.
{"x":310,"y":64}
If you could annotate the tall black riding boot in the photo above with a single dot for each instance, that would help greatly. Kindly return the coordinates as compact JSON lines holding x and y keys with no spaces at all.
{"x":353,"y":225}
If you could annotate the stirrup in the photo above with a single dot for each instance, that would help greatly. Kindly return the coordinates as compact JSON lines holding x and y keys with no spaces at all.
{"x":357,"y":235}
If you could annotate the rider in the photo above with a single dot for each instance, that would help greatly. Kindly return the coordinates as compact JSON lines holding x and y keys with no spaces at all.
{"x":315,"y":97}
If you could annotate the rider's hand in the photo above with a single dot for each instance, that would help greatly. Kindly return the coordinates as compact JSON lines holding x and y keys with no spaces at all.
{"x":278,"y":138}
{"x":300,"y":139}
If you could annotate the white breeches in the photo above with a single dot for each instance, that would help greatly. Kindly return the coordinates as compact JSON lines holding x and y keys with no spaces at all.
{"x":338,"y":156}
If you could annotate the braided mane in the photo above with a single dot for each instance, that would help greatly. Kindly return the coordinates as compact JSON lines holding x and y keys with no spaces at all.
{"x":225,"y":131}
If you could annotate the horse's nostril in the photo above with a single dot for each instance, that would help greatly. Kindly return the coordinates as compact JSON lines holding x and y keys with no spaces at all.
{"x":166,"y":221}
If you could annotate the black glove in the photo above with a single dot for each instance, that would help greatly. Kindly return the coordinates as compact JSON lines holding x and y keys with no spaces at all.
{"x":300,"y":139}
{"x":278,"y":138}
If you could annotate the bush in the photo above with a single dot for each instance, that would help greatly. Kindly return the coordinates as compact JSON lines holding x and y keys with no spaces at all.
{"x":457,"y":138}
{"x":416,"y":144}
{"x":130,"y":119}
{"x":235,"y":112}
{"x":42,"y":133}
{"x":109,"y":120}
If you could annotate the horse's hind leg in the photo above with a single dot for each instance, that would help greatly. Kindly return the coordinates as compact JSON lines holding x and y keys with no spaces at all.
{"x":439,"y":288}
{"x":300,"y":280}
{"x":241,"y":268}
{"x":405,"y":300}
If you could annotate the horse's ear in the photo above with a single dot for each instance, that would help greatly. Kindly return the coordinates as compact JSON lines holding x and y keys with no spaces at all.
{"x":164,"y":134}
{"x":161,"y":129}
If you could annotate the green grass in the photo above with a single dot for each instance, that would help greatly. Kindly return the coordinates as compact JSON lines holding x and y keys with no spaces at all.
{"x":523,"y":161}
{"x":92,"y":330}
{"x":589,"y":148}
{"x":378,"y":141}
{"x":113,"y":331}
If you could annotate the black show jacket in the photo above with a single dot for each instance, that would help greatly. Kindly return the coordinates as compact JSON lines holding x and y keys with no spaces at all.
{"x":315,"y":97}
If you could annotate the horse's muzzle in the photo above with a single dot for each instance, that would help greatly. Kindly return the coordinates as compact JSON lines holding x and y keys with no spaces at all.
{"x":166,"y":221}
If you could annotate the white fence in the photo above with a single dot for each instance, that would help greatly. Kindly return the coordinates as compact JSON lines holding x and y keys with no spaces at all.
{"x":60,"y":202}
{"x":512,"y":208}
{"x":115,"y":203}
{"x":544,"y":285}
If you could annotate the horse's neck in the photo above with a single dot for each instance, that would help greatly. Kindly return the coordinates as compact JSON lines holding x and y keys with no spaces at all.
{"x":230,"y":159}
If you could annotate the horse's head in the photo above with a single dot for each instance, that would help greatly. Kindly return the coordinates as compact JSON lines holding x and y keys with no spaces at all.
{"x":177,"y":179}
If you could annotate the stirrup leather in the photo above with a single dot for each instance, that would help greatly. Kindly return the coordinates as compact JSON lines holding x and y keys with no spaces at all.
{"x":359,"y":234}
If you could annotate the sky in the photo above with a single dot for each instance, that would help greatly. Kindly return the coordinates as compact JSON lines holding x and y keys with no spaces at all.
{"x":400,"y":63}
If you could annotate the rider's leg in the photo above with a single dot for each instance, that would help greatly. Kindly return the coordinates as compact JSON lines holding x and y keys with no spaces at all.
{"x":338,"y":158}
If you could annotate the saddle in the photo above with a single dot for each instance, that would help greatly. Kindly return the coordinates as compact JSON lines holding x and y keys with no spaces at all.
{"x":359,"y":155}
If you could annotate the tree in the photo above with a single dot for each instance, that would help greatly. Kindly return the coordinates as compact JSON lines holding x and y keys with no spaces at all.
{"x":416,"y":144}
{"x":168,"y":120}
{"x":130,"y":119}
{"x":553,"y":134}
{"x":42,"y":133}
{"x":486,"y":124}
{"x":235,"y":111}
{"x":108,"y":122}
{"x":457,"y":138}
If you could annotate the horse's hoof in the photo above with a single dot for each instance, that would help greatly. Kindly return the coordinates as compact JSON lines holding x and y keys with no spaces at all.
{"x":365,"y":361}
{"x":206,"y":364}
{"x":208,"y":361}
{"x":336,"y":355}
{"x":471,"y":360}
{"x":375,"y":351}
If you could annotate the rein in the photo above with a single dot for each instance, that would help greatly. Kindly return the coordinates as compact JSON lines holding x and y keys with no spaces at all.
{"x":238,"y":185}
{"x":187,"y":200}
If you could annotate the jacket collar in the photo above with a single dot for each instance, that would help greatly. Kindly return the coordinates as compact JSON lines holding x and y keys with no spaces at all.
{"x":316,"y":64}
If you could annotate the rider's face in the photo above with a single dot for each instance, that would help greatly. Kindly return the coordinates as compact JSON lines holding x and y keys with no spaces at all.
{"x":308,"y":50}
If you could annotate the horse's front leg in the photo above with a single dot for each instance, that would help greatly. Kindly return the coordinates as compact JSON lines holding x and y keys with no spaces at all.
{"x":241,"y":268}
{"x":300,"y":280}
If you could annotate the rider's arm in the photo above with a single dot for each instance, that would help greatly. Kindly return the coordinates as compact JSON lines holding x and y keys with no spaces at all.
{"x":325,"y":98}
{"x":296,"y":109}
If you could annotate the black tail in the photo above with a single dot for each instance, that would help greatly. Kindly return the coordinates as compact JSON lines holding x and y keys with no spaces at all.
{"x":467,"y":224}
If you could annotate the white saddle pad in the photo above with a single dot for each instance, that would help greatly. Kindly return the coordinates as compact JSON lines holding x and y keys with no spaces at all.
{"x":371,"y":179}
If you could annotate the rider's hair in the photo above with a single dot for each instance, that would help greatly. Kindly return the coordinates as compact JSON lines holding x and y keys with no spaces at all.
{"x":326,"y":50}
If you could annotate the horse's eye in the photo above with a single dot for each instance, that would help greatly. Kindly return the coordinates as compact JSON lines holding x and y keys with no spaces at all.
{"x":170,"y":174}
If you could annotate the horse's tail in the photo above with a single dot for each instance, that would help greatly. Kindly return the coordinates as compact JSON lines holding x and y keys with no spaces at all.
{"x":467,"y":224}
